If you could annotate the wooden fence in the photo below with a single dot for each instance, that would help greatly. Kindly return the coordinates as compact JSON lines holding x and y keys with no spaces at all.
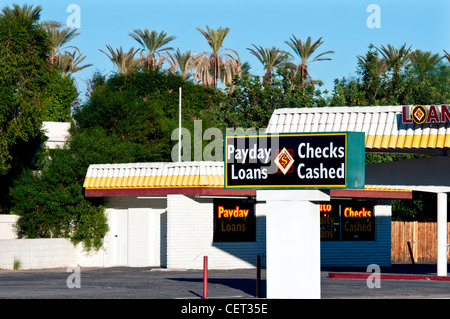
{"x":416,"y":238}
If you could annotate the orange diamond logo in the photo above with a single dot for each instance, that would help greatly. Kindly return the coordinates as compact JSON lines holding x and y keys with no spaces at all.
{"x":419,"y":114}
{"x":284,"y":161}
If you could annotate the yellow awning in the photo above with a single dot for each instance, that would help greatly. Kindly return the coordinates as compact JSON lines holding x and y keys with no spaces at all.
{"x":382,"y":125}
{"x":154,"y":175}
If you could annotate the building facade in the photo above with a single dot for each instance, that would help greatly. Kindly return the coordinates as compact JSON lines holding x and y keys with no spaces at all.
{"x":172,"y":214}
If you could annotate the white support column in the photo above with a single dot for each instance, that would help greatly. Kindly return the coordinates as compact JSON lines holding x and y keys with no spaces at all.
{"x":293,"y":242}
{"x":442,"y":234}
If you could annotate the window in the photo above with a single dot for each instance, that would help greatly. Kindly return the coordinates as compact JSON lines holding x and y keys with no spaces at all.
{"x":347,"y":220}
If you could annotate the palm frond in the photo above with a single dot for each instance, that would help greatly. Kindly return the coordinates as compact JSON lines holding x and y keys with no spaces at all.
{"x":26,"y":12}
{"x":447,"y":55}
{"x":154,"y":44}
{"x":124,"y":62}
{"x":305,"y":51}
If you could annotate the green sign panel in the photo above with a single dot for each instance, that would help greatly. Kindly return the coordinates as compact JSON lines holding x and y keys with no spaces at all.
{"x":295,"y":160}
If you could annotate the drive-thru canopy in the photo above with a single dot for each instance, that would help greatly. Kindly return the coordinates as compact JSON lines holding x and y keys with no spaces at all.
{"x":390,"y":129}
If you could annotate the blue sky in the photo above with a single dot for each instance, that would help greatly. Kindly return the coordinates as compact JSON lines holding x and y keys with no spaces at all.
{"x":342,"y":24}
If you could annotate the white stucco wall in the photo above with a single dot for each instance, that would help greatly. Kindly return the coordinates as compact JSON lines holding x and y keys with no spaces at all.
{"x":7,"y":222}
{"x":57,"y":133}
{"x":37,"y":253}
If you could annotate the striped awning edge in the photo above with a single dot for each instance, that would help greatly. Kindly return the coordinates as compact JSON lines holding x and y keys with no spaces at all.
{"x":174,"y":175}
{"x":382,"y":125}
{"x":154,"y":175}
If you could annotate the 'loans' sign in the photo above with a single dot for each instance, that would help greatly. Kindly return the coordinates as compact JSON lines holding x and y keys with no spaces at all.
{"x":425,"y":114}
{"x":321,"y":160}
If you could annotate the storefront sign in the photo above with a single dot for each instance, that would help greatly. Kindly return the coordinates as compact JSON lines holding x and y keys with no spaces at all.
{"x":347,"y":220}
{"x":319,"y":160}
{"x":425,"y":114}
{"x":234,"y":220}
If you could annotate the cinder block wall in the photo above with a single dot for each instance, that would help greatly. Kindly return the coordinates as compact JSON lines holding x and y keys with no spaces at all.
{"x":362,"y":253}
{"x":190,"y":237}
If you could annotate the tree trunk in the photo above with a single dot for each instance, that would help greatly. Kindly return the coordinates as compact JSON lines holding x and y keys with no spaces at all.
{"x":302,"y":70}
{"x":215,"y":71}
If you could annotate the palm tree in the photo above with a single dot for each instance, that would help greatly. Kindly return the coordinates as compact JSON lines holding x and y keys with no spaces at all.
{"x":123,"y":61}
{"x":25,"y":12}
{"x":396,"y":58}
{"x":373,"y":70}
{"x":154,"y":44}
{"x":245,"y":69}
{"x":69,"y":63}
{"x":58,"y":38}
{"x":270,"y":59}
{"x":215,"y":66}
{"x":182,"y":62}
{"x":425,"y":63}
{"x":305,"y":51}
{"x":447,"y":55}
{"x":379,"y":64}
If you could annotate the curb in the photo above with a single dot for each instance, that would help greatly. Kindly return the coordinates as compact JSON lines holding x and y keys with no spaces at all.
{"x":388,"y":276}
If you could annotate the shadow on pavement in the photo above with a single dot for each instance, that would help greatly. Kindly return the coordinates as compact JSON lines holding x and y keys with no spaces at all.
{"x":248,"y":286}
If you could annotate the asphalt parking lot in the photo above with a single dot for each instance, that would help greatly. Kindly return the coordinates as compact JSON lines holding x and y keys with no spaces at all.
{"x":125,"y":283}
{"x":150,"y":283}
{"x":179,"y":293}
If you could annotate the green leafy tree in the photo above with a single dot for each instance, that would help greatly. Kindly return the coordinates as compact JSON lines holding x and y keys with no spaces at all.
{"x":398,"y":77}
{"x":372,"y":70}
{"x":251,"y":103}
{"x":59,"y":96}
{"x":35,"y":182}
{"x":51,"y":203}
{"x":422,"y":207}
{"x":23,"y":75}
{"x":128,"y":118}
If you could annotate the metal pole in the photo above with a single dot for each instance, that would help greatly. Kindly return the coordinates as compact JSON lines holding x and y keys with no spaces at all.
{"x":258,"y":276}
{"x":205,"y":277}
{"x":442,"y":234}
{"x":411,"y":253}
